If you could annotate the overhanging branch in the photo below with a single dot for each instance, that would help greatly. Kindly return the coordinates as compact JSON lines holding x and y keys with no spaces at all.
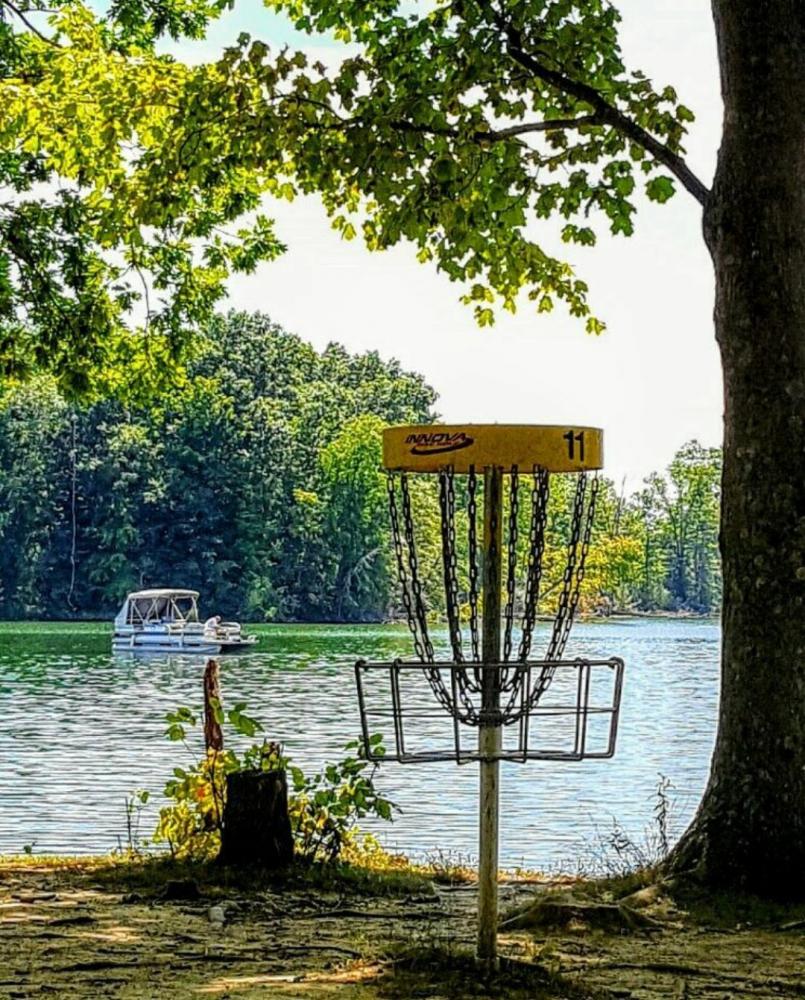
{"x":603,"y":111}
{"x":339,"y":122}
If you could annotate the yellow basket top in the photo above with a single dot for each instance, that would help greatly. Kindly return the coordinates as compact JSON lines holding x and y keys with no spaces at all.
{"x":430,"y":447}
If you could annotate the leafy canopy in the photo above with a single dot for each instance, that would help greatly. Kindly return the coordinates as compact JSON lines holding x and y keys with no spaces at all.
{"x":453,"y":125}
{"x":101,"y":278}
{"x":456,"y":125}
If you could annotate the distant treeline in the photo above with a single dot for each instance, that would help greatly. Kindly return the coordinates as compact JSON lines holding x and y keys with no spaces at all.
{"x":257,"y":483}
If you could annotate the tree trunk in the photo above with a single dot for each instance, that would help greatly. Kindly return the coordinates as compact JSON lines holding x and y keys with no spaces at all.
{"x":256,"y":828}
{"x":749,"y":832}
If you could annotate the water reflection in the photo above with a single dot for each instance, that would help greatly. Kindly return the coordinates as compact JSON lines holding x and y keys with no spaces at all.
{"x":83,"y":728}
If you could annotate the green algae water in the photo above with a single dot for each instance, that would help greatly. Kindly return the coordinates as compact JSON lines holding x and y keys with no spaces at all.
{"x":82,"y":728}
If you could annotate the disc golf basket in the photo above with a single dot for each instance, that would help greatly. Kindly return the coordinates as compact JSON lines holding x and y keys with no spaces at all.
{"x":520,"y":706}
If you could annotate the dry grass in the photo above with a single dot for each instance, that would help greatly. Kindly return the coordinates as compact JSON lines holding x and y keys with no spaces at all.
{"x":108,"y":927}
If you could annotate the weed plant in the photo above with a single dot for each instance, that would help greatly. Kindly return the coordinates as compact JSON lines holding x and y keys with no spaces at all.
{"x":324,"y":808}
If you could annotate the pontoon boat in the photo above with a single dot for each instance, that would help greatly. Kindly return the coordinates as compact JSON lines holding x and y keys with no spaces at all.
{"x":167,"y":620}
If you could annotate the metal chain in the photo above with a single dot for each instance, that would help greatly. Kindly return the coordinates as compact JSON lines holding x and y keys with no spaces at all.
{"x":413,"y":565}
{"x":570,"y":567}
{"x":402,"y":575}
{"x":572,"y":581}
{"x":581,"y":534}
{"x":512,"y":710}
{"x":447,"y":503}
{"x":493,"y":555}
{"x":511,"y":564}
{"x":580,"y":567}
{"x":432,"y":672}
{"x":513,"y":679}
{"x":536,"y":550}
{"x":472,"y":512}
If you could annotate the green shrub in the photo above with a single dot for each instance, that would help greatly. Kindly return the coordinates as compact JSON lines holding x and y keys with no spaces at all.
{"x":324,"y":808}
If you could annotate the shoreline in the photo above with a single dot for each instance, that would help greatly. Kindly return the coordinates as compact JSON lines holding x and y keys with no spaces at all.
{"x":397,"y":622}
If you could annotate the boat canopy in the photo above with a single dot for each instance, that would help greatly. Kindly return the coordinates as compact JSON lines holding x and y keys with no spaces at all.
{"x":158,"y":606}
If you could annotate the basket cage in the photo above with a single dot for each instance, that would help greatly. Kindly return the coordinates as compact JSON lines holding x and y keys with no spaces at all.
{"x":548,"y":710}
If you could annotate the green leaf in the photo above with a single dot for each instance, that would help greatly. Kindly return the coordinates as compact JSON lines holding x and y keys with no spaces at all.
{"x":660,"y":189}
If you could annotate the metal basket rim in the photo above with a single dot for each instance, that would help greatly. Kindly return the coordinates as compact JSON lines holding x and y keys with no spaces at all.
{"x":578,"y":661}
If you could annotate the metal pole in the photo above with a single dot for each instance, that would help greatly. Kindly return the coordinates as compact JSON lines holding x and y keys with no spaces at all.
{"x":489,"y":736}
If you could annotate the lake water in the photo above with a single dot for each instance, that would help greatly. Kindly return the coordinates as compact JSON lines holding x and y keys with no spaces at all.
{"x":81,"y":729}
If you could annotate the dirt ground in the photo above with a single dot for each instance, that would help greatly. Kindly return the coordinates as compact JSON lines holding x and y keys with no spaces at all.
{"x":96,"y":928}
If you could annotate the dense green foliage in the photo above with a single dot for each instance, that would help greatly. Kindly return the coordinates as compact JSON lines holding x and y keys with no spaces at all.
{"x":102,"y":280}
{"x":258,"y":483}
{"x":241,"y":484}
{"x":449,"y":126}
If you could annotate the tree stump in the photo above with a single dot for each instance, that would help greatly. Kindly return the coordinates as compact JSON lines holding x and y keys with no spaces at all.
{"x":256,"y":827}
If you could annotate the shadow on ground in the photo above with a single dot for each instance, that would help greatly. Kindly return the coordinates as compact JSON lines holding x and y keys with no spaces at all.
{"x":101,"y":928}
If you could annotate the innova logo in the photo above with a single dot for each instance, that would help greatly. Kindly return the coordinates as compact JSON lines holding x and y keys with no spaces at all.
{"x":438,"y":444}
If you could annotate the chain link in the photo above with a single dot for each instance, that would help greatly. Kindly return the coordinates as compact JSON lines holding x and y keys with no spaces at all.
{"x":492,"y":504}
{"x":581,"y":566}
{"x":511,"y":681}
{"x":413,"y":565}
{"x":415,"y":609}
{"x":581,"y":530}
{"x":570,"y":567}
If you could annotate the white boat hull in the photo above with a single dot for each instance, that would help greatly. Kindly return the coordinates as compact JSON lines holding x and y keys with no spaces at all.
{"x":145,"y":642}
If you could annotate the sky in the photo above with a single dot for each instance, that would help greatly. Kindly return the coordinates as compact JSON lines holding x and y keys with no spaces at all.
{"x":652,"y":380}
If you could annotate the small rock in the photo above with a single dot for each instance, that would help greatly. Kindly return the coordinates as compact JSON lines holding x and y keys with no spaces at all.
{"x":217,"y":915}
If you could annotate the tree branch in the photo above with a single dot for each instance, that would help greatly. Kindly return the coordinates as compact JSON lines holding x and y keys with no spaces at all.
{"x":19,"y":13}
{"x":549,"y":125}
{"x":498,"y":135}
{"x":604,"y":112}
{"x":489,"y":135}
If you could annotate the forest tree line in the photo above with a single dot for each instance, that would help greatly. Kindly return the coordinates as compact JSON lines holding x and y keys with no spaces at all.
{"x":257,"y":482}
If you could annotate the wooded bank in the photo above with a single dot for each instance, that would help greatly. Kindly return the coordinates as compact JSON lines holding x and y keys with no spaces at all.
{"x":257,"y":482}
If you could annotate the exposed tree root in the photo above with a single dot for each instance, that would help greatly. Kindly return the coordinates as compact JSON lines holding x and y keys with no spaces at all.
{"x":559,"y":914}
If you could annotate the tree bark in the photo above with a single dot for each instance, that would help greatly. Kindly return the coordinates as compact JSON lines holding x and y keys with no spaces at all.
{"x":749,"y":832}
{"x":256,"y":827}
